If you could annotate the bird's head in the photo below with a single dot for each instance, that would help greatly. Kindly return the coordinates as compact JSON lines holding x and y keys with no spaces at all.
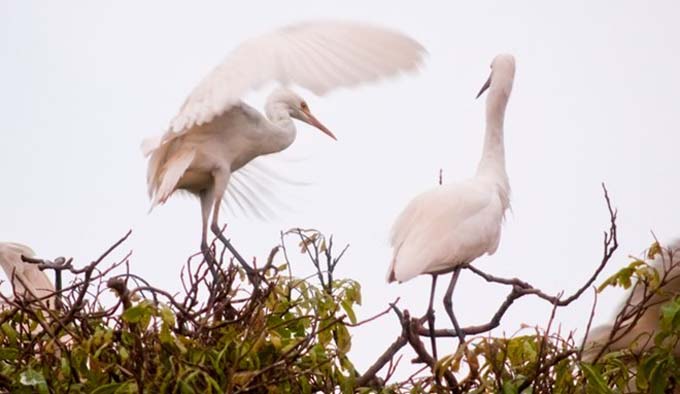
{"x":297,"y":108}
{"x":502,"y":74}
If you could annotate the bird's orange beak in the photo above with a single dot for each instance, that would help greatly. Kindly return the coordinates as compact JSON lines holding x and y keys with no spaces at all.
{"x":315,"y":122}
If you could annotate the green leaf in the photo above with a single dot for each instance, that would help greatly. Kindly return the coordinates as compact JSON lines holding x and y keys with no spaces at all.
{"x":211,"y":382}
{"x":107,"y":388}
{"x":354,"y":292}
{"x":65,"y":366}
{"x":31,"y":377}
{"x":530,"y":351}
{"x":347,"y":307}
{"x":670,"y":315}
{"x":306,"y":388}
{"x":325,"y":337}
{"x":243,"y":378}
{"x":596,"y":383}
{"x":510,"y":388}
{"x":344,"y":339}
{"x":165,"y":335}
{"x":185,"y":388}
{"x":443,"y":364}
{"x":653,"y":250}
{"x":9,"y":332}
{"x":8,"y":353}
{"x":123,"y":353}
{"x":646,"y":370}
{"x":167,"y":316}
{"x":650,"y":275}
{"x":135,"y":314}
{"x":180,"y":345}
{"x":623,"y":277}
{"x":275,"y":340}
{"x":658,"y":379}
{"x":128,"y":388}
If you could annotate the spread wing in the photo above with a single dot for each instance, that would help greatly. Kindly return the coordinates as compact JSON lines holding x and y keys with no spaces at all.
{"x":318,"y":56}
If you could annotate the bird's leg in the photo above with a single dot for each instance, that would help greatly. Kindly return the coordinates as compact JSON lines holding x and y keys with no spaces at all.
{"x":430,"y":318}
{"x":218,"y":233}
{"x":216,"y":230}
{"x":206,"y":200}
{"x":448,"y":304}
{"x":210,"y":259}
{"x":215,"y":227}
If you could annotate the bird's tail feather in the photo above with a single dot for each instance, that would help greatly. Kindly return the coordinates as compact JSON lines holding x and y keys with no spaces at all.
{"x":173,"y":172}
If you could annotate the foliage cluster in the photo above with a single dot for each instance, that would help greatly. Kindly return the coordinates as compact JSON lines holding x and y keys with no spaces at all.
{"x":633,"y":359}
{"x":277,"y":333}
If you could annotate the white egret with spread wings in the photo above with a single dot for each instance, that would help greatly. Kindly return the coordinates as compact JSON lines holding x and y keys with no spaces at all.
{"x":215,"y":133}
{"x":453,"y":224}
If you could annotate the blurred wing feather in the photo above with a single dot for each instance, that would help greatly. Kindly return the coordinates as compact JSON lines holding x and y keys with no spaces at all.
{"x":260,"y":184}
{"x":252,"y":200}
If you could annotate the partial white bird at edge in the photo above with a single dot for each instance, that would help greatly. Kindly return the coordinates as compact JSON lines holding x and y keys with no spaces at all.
{"x":641,"y":335}
{"x":27,"y":279}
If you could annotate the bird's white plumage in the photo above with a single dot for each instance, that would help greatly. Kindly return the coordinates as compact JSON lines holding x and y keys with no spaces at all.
{"x":455,"y":223}
{"x":173,"y":172}
{"x":436,"y":229}
{"x":226,"y":144}
{"x":37,"y":284}
{"x":318,"y":56}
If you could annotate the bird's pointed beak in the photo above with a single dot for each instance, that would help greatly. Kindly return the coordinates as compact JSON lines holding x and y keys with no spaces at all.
{"x":310,"y":119}
{"x":486,"y":86}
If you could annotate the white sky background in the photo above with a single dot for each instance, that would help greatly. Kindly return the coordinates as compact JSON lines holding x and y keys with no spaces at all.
{"x":595,"y":99}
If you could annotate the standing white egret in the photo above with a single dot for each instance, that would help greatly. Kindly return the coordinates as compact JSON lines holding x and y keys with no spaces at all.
{"x":27,"y":280}
{"x":453,"y":224}
{"x":215,"y":133}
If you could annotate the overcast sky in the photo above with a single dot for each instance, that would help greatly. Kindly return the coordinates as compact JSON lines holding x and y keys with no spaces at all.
{"x":595,"y":99}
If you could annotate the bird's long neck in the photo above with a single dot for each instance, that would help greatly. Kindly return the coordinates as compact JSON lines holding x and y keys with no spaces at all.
{"x":281,"y":127}
{"x":492,"y":163}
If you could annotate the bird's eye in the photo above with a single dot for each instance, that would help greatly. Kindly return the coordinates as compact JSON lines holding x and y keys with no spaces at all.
{"x":304,"y":106}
